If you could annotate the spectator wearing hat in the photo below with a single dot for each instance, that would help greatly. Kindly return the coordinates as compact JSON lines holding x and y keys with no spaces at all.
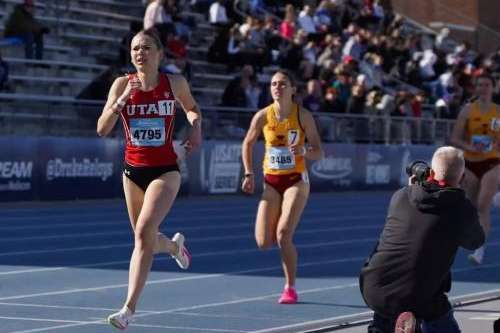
{"x":23,"y":25}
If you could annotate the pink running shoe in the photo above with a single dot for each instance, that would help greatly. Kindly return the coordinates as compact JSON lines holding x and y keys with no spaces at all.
{"x":289,"y":296}
{"x":406,"y":323}
{"x":182,"y":257}
{"x":121,"y":319}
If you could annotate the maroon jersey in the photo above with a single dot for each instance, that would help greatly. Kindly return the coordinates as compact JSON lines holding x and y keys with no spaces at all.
{"x":148,"y":119}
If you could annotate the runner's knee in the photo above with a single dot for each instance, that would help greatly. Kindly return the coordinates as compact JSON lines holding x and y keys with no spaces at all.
{"x":284,"y":236}
{"x":145,"y":238}
{"x":263,"y":243}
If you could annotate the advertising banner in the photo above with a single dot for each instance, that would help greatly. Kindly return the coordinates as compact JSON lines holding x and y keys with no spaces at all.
{"x":50,"y":168}
{"x":19,"y":164}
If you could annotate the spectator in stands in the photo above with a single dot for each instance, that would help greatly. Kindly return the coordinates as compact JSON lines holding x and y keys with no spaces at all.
{"x":182,"y":25}
{"x":272,"y":38}
{"x":356,"y":102}
{"x":235,"y":94}
{"x":288,"y":25}
{"x":354,"y":47}
{"x":4,"y":74}
{"x":306,"y":20}
{"x":217,"y":14}
{"x":292,"y":56}
{"x":177,"y":61}
{"x":218,"y":50}
{"x":343,"y":85}
{"x":314,"y":96}
{"x":324,"y":19}
{"x":331,"y":52}
{"x":448,"y":107}
{"x":417,"y":103}
{"x":331,"y":104}
{"x":23,"y":25}
{"x":157,"y":17}
{"x":234,"y":48}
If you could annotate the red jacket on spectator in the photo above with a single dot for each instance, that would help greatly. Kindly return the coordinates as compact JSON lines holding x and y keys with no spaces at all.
{"x":287,"y":30}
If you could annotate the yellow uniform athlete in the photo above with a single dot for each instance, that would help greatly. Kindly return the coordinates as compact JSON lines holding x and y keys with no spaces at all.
{"x":477,"y":132}
{"x":285,"y":126}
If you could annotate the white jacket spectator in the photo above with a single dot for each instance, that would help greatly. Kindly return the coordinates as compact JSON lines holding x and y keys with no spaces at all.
{"x":426,"y":64}
{"x":306,"y":21}
{"x":378,"y":10}
{"x":155,"y":14}
{"x":217,"y":13}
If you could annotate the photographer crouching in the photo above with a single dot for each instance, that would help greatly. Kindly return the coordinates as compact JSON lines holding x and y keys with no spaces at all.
{"x":407,"y":276}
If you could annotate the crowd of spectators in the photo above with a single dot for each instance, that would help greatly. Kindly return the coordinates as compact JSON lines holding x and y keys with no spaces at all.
{"x":360,"y":57}
{"x":352,"y":56}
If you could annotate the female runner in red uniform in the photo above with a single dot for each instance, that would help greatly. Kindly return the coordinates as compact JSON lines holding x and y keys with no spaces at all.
{"x":145,"y":102}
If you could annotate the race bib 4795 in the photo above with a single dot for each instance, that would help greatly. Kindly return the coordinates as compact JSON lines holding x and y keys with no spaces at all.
{"x":147,"y":132}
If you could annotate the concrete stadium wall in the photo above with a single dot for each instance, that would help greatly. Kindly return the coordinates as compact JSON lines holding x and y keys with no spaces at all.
{"x":475,"y":21}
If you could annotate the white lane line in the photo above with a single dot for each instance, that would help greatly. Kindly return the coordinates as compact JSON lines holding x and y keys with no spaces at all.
{"x":224,"y":316}
{"x":188,"y":328}
{"x":179,"y":279}
{"x":101,"y":322}
{"x":69,"y":249}
{"x":199,"y":306}
{"x":487,"y":317}
{"x":478,"y":294}
{"x":129,"y":244}
{"x":205,"y":254}
{"x":249,"y":299}
{"x":69,"y":307}
{"x":121,"y":262}
{"x":43,"y":319}
{"x":81,"y":235}
{"x":313,"y":322}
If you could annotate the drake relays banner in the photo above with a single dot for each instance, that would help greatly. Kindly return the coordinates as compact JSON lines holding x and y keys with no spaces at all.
{"x":53,"y":168}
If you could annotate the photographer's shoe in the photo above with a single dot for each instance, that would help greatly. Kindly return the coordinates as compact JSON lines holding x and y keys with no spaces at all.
{"x":406,"y":323}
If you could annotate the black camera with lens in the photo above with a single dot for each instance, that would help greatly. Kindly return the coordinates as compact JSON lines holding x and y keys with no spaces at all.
{"x":420,"y":169}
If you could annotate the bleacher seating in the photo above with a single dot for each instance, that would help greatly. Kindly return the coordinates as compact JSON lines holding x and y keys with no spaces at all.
{"x":82,"y":31}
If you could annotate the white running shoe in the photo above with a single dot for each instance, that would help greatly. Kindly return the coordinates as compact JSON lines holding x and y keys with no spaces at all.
{"x":183,"y":258}
{"x":477,"y":257}
{"x":121,"y":319}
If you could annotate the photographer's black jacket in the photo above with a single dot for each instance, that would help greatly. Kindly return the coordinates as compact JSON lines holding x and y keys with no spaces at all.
{"x":409,"y":269}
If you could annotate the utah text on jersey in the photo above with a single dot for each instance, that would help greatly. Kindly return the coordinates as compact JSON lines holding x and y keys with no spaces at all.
{"x":162,"y":108}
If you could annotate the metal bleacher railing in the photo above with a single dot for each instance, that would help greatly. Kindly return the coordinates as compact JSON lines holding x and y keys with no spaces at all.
{"x":70,"y":116}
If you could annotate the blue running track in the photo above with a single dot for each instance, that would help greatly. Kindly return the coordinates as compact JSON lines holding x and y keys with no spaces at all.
{"x":63,"y":266}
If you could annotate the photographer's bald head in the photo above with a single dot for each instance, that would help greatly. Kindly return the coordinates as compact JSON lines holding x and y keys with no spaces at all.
{"x":448,"y":165}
